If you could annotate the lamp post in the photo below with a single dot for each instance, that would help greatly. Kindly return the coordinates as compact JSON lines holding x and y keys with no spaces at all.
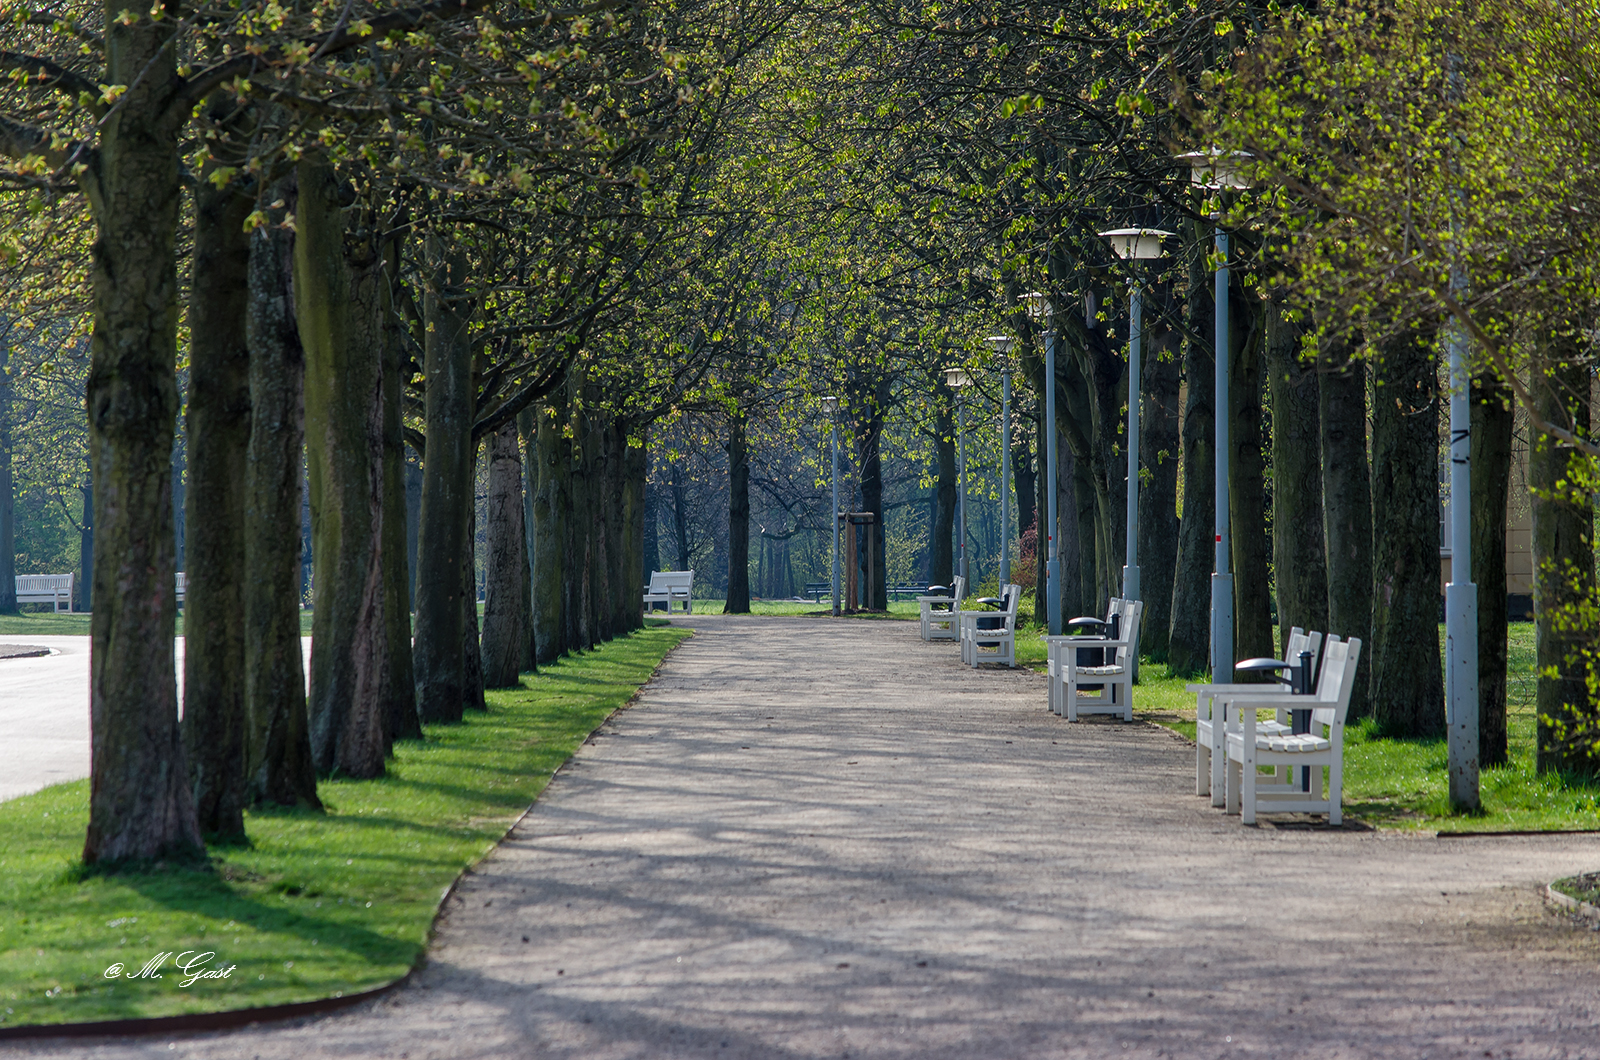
{"x":1134,"y":244}
{"x":1461,"y":595}
{"x":955,"y":379}
{"x":1217,"y":171}
{"x":830,"y":405}
{"x":1001,"y":344}
{"x":1039,"y":308}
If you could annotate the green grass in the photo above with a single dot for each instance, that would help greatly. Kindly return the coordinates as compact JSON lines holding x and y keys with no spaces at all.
{"x":320,"y":904}
{"x":1585,"y":888}
{"x":47,"y":624}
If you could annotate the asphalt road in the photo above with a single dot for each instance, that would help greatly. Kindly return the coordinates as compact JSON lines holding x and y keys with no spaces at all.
{"x":815,"y":838}
{"x":44,"y":712}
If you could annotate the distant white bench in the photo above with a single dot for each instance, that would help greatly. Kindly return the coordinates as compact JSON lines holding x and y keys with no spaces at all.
{"x":45,"y":589}
{"x":670,"y":587}
{"x":56,"y":589}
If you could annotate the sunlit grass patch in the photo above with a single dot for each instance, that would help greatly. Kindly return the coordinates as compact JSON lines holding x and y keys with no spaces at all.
{"x":319,"y":904}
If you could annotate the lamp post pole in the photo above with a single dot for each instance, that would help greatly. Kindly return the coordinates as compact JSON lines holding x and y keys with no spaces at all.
{"x":1222,"y":576}
{"x":1052,"y":565}
{"x":961,"y":475}
{"x":1130,"y":572}
{"x":1461,"y":595}
{"x":1005,"y":476}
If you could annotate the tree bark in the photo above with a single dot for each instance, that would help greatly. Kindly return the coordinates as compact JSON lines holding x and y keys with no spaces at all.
{"x":1299,"y":550}
{"x":1407,"y":683}
{"x":279,"y":744}
{"x":1158,"y":494}
{"x":1189,"y":643}
{"x":214,"y":718}
{"x":140,"y":802}
{"x":398,"y":694}
{"x":471,"y":651}
{"x":551,"y":455}
{"x":875,"y":589}
{"x":636,"y":465}
{"x":83,"y":585}
{"x":503,"y":636}
{"x":527,"y":428}
{"x":738,"y":602}
{"x":1563,"y":558}
{"x":338,"y":302}
{"x":437,"y":656}
{"x":1024,"y":476}
{"x":1247,"y":495}
{"x":1492,"y":432}
{"x":1347,"y":508}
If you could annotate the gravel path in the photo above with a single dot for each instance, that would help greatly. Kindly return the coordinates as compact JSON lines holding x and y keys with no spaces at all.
{"x":828,"y":839}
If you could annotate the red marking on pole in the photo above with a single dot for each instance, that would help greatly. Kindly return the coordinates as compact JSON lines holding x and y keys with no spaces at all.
{"x":1219,"y":539}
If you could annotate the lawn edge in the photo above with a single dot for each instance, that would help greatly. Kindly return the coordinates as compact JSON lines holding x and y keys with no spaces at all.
{"x":234,"y":1018}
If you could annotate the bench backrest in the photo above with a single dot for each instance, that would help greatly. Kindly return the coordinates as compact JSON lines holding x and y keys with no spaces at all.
{"x":1337,"y":682}
{"x":1128,"y":635}
{"x":44,"y":583}
{"x":672,"y":581}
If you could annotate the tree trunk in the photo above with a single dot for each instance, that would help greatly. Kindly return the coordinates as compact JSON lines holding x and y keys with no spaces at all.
{"x":214,"y":719}
{"x":437,"y":656}
{"x":1492,"y":431}
{"x":1074,"y":512}
{"x":1347,"y":508}
{"x":1299,"y":550}
{"x":279,"y":744}
{"x":551,"y":457}
{"x":941,"y":564}
{"x":83,"y":585}
{"x":526,"y":431}
{"x":1407,"y":683}
{"x":503,"y":636}
{"x":875,"y":589}
{"x":471,"y":651}
{"x":650,"y":561}
{"x":680,"y":526}
{"x":1247,"y":496}
{"x":338,"y":304}
{"x":1158,"y":495}
{"x":636,"y":467}
{"x":1189,"y":643}
{"x":398,"y":694}
{"x":1025,"y":476}
{"x":140,"y":802}
{"x":738,"y":602}
{"x":8,"y":536}
{"x":1563,"y":558}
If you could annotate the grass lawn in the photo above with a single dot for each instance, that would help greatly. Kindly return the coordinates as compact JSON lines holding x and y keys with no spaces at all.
{"x":901,"y":609}
{"x":320,"y":904}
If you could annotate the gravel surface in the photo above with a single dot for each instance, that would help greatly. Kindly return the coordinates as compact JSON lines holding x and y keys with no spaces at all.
{"x":818,"y":838}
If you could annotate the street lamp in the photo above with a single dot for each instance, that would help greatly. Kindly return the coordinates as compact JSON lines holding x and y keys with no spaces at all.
{"x":1134,"y":244}
{"x":1001,"y":344}
{"x":955,"y":379}
{"x":830,"y":405}
{"x":1219,"y":171}
{"x":1039,"y":308}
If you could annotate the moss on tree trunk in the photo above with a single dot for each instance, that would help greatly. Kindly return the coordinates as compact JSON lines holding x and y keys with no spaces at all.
{"x":338,"y":307}
{"x":551,"y":457}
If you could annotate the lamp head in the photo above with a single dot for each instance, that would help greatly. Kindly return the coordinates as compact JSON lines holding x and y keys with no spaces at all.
{"x":1000,"y":343}
{"x":1216,"y":170}
{"x":955,"y":378}
{"x":830,"y":404}
{"x":1136,"y":243}
{"x":1038,"y":305}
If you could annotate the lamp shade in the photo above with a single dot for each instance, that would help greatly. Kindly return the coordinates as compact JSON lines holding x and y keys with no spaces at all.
{"x":1216,"y":169}
{"x":1136,"y":243}
{"x":956,"y":377}
{"x":830,"y":404}
{"x":1000,"y":343}
{"x":1038,"y":305}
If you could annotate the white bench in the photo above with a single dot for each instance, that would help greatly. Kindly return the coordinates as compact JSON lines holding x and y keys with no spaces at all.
{"x":995,"y":644}
{"x":53,"y":589}
{"x":1112,"y":676}
{"x":183,"y":585}
{"x":669,"y":587}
